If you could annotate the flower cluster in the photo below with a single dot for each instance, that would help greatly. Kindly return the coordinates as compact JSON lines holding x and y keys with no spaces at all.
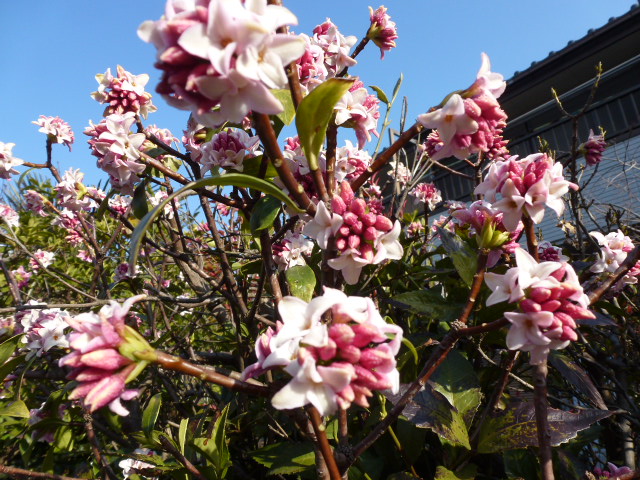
{"x":332,"y":365}
{"x":101,"y":359}
{"x":44,"y":329}
{"x":470,"y":122}
{"x":21,"y":276}
{"x":526,"y":186}
{"x":335,"y":49}
{"x":41,"y":258}
{"x":71,"y":192}
{"x":359,"y":110}
{"x":592,"y":149}
{"x":8,"y":161}
{"x":290,"y":251}
{"x":117,"y":150}
{"x":351,"y":162}
{"x":68,"y":220}
{"x":123,"y":93}
{"x":56,"y":129}
{"x":614,"y":248}
{"x":9,"y":215}
{"x":227,"y":149}
{"x":132,"y":466}
{"x":612,"y":472}
{"x":428,"y":194}
{"x":222,"y":53}
{"x":549,"y":298}
{"x":361,"y":236}
{"x":383,"y":31}
{"x":550,"y":253}
{"x":35,"y":202}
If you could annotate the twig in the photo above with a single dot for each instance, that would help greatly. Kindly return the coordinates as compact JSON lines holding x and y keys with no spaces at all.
{"x":541,"y":405}
{"x":532,"y":240}
{"x":168,"y":446}
{"x":323,"y":442}
{"x":21,"y":473}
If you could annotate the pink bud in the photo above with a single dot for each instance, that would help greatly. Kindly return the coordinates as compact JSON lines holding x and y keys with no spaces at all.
{"x":342,"y":334}
{"x":529,"y":306}
{"x":338,"y":206}
{"x":560,"y":273}
{"x":551,"y":305}
{"x":327,"y":352}
{"x":372,"y":358}
{"x":364,"y":334}
{"x":107,"y":359}
{"x":354,"y":241}
{"x":370,"y":234}
{"x":358,"y":206}
{"x":350,"y":353}
{"x":346,"y":192}
{"x":357,"y":227}
{"x":366,"y":252}
{"x":366,"y":377}
{"x":369,"y":219}
{"x":344,"y":231}
{"x":383,"y":223}
{"x":107,"y":390}
{"x":540,"y":294}
{"x":530,"y":179}
{"x":361,"y":393}
{"x":568,"y":334}
{"x":350,"y":218}
{"x":565,"y":319}
{"x":341,"y":244}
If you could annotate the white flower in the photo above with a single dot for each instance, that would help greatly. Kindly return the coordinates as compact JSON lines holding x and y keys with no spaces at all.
{"x":323,"y":225}
{"x":8,"y":161}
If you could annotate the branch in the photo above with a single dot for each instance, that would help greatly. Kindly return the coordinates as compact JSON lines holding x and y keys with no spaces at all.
{"x":323,"y":442}
{"x":21,"y":473}
{"x":541,"y":405}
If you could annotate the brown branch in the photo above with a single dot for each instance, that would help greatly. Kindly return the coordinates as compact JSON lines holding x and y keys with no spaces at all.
{"x":621,"y":271}
{"x":476,"y":286}
{"x":95,"y":447}
{"x":14,"y":472}
{"x":382,"y":159}
{"x":356,"y":52}
{"x":532,"y":239}
{"x":450,"y":170}
{"x":270,"y":269}
{"x":168,"y":446}
{"x":208,"y":375}
{"x":541,"y":404}
{"x":323,"y":442}
{"x":332,"y":145}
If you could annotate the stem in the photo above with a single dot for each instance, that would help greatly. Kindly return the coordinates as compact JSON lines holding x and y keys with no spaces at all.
{"x":323,"y":442}
{"x":209,"y":375}
{"x":21,"y":473}
{"x":168,"y":446}
{"x":532,"y":240}
{"x":355,"y":53}
{"x":270,"y":268}
{"x":382,"y":159}
{"x":266,"y":133}
{"x":542,"y":421}
{"x":476,"y":286}
{"x":332,"y":144}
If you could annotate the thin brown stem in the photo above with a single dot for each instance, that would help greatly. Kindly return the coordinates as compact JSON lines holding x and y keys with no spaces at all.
{"x":14,"y":472}
{"x":356,"y":52}
{"x":476,"y":286}
{"x":323,"y":442}
{"x":208,"y":375}
{"x":168,"y":446}
{"x":541,"y":404}
{"x":271,"y":269}
{"x":332,"y":145}
{"x":382,"y":159}
{"x":532,"y":239}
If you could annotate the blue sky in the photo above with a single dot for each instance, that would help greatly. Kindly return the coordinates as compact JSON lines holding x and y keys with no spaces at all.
{"x":52,"y":51}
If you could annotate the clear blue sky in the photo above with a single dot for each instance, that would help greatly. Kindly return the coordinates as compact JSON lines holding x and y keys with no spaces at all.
{"x":51,"y":52}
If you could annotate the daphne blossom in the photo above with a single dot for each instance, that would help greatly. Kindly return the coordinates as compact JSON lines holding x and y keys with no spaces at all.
{"x":593,"y":148}
{"x":131,"y":466}
{"x":227,"y":149}
{"x":8,"y":161}
{"x":428,"y":194}
{"x":290,"y":251}
{"x":331,"y":365}
{"x":44,"y":330}
{"x":382,"y":31}
{"x":9,"y":215}
{"x":41,"y":258}
{"x":614,"y":248}
{"x":123,"y":93}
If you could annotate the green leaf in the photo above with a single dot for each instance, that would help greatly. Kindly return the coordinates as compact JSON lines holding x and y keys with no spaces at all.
{"x":15,"y":409}
{"x":8,"y":347}
{"x":576,"y":376}
{"x":10,"y":366}
{"x":104,"y":204}
{"x":431,"y":409}
{"x":515,"y":427}
{"x":315,"y":112}
{"x":182,"y":433}
{"x":264,"y":213}
{"x":456,"y":379}
{"x":464,"y":258}
{"x":285,"y":458}
{"x":467,"y":473}
{"x":150,"y":414}
{"x":251,"y":167}
{"x":301,"y":281}
{"x":430,"y":303}
{"x":139,"y":203}
{"x":520,"y":464}
{"x":396,"y":88}
{"x":230,"y":179}
{"x":289,"y":112}
{"x":381,"y":95}
{"x":215,"y":448}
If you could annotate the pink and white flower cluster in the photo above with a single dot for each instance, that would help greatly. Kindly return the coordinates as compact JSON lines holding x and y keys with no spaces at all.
{"x":550,"y":253}
{"x":549,"y":298}
{"x":351,"y":162}
{"x":332,"y":365}
{"x":44,"y":329}
{"x":21,"y":276}
{"x":428,"y":194}
{"x":9,"y":215}
{"x":471,"y":122}
{"x":612,"y":472}
{"x":41,"y":258}
{"x":35,"y":202}
{"x":362,"y":237}
{"x":383,"y":31}
{"x":131,"y":466}
{"x":359,"y":110}
{"x":118,"y":150}
{"x":335,"y":49}
{"x":614,"y":248}
{"x":96,"y":361}
{"x":123,"y":93}
{"x":8,"y":161}
{"x":222,"y":53}
{"x":56,"y":129}
{"x":227,"y":149}
{"x":68,"y":220}
{"x":71,"y":192}
{"x":525,"y":186}
{"x":592,"y":149}
{"x":291,"y":250}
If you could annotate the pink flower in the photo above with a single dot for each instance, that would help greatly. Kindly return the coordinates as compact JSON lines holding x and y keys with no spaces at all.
{"x":85,"y":256}
{"x":414,"y":229}
{"x":382,"y":31}
{"x":290,"y":251}
{"x":613,"y":472}
{"x":41,"y":258}
{"x":614,"y":249}
{"x":123,"y":93}
{"x":44,"y":330}
{"x":35,"y":202}
{"x":71,"y":192}
{"x":592,"y":149}
{"x":56,"y":129}
{"x":223,"y":53}
{"x":9,"y":215}
{"x":8,"y":161}
{"x":428,"y":194}
{"x":98,"y":363}
{"x":227,"y":149}
{"x":333,"y":365}
{"x":351,"y":162}
{"x":359,"y":110}
{"x":120,"y":204}
{"x":336,"y":47}
{"x":22,"y":276}
{"x":549,"y":253}
{"x":323,"y":226}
